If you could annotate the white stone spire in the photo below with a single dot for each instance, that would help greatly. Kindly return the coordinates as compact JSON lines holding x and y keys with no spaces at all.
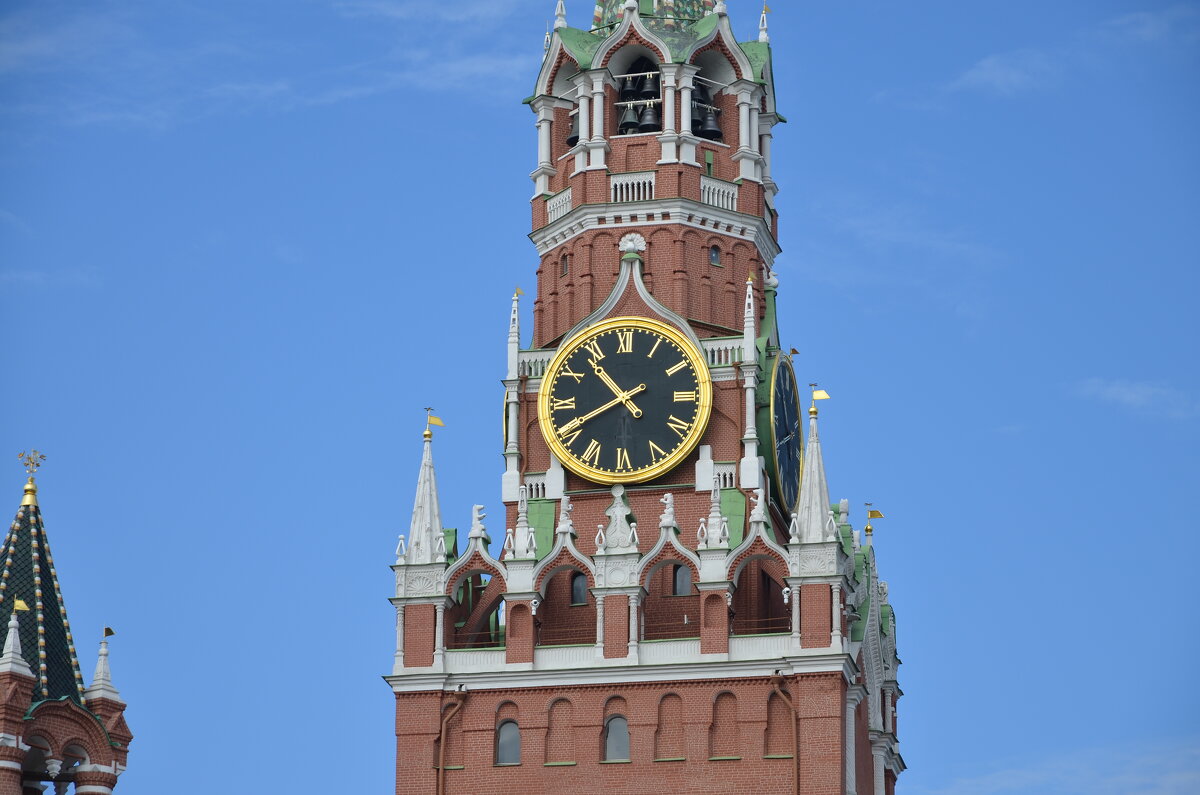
{"x":102,"y":686}
{"x":749,"y":332}
{"x":426,"y":525}
{"x":749,"y":468}
{"x":560,"y":15}
{"x":12,"y":662}
{"x":514,"y":334}
{"x":813,"y":514}
{"x":763,"y":36}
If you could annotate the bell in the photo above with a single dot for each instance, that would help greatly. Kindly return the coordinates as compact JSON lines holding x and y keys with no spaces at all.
{"x":701,"y":94}
{"x":709,"y":128}
{"x":629,"y":89}
{"x":629,"y":121}
{"x":697,"y":117}
{"x":649,"y":121}
{"x":650,"y":87}
{"x":573,"y":135}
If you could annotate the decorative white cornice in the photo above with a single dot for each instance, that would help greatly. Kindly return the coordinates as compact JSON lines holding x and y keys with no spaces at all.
{"x":705,"y":218}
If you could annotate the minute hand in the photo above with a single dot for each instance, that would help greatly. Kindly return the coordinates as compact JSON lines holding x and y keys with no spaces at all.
{"x":607,"y":379}
{"x":620,"y":398}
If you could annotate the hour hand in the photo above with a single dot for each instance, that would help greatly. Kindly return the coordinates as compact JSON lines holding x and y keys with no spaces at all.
{"x":616,"y":390}
{"x":622,"y":397}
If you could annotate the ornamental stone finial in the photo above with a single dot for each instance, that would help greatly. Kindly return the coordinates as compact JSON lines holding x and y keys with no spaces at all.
{"x":667,"y":519}
{"x":632,"y":243}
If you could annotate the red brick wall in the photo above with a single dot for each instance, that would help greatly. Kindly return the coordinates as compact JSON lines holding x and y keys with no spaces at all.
{"x":616,"y":625}
{"x":691,"y":719}
{"x":418,"y":635}
{"x":815,"y":615}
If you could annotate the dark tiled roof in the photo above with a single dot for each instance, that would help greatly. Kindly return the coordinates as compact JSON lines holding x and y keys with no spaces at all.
{"x":28,"y":574}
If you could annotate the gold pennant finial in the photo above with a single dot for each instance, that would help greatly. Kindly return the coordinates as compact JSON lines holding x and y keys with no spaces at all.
{"x":817,"y":394}
{"x":872,"y":513}
{"x":431,"y":420}
{"x":20,"y":606}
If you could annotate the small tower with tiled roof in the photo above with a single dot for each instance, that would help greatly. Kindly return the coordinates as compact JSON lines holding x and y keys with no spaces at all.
{"x":51,"y":728}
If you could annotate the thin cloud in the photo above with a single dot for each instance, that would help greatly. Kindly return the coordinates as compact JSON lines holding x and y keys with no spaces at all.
{"x":1010,"y":73}
{"x":405,"y":10}
{"x":1170,"y":769}
{"x":1141,"y":396}
{"x":1177,"y":22}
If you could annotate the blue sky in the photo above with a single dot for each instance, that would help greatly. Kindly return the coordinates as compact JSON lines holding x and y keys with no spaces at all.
{"x":243,"y":244}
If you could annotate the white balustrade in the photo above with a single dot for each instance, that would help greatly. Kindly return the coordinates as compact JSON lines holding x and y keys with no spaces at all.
{"x":536,"y":483}
{"x":558,"y":205}
{"x":718,"y":193}
{"x":722,"y":351}
{"x":532,"y":364}
{"x":725,"y":474}
{"x":637,"y":186}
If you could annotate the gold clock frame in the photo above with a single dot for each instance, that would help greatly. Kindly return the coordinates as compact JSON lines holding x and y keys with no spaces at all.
{"x":780,"y":358}
{"x":695,"y":357}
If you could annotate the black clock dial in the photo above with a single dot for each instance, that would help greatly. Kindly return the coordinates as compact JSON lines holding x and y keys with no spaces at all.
{"x":625,"y":401}
{"x":788,"y":452}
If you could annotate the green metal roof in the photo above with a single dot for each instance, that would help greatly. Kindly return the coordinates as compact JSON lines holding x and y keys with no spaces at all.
{"x":46,"y":642}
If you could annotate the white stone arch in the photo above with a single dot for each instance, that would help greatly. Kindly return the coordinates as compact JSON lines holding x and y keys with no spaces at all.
{"x":630,"y":21}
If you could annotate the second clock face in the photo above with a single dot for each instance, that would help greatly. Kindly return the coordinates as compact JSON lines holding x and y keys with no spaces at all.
{"x":626,"y":401}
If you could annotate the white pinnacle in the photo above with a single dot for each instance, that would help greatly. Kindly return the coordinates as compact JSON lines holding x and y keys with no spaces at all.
{"x":813,"y":513}
{"x":102,"y":686}
{"x":749,"y":346}
{"x":12,"y":661}
{"x":426,"y":525}
{"x":560,"y":15}
{"x":763,"y":37}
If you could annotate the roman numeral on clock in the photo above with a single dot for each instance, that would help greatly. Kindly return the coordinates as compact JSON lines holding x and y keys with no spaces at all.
{"x":623,"y":459}
{"x":625,"y":341}
{"x":679,"y":426}
{"x":657,"y":342}
{"x":565,"y":403}
{"x":594,"y":348}
{"x":656,"y":452}
{"x":672,"y":370}
{"x":685,"y":397}
{"x":592,"y":454}
{"x":568,"y":371}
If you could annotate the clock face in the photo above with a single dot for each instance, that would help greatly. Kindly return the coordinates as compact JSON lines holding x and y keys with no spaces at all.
{"x":786,"y":445}
{"x":625,"y":401}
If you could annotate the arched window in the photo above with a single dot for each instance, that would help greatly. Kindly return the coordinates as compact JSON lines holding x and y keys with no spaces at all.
{"x":579,"y":589}
{"x":565,"y":262}
{"x":682,"y":581}
{"x":639,"y":99}
{"x":508,"y":743}
{"x":714,"y":255}
{"x":616,"y":739}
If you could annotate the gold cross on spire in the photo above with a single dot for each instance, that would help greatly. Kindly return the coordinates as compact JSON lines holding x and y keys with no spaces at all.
{"x":32,"y":459}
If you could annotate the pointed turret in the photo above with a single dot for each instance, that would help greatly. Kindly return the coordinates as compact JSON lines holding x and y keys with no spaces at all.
{"x":29,"y":577}
{"x":102,"y":686}
{"x":813,"y":512}
{"x":426,"y":527}
{"x":560,"y":15}
{"x":763,"y":36}
{"x":12,"y":661}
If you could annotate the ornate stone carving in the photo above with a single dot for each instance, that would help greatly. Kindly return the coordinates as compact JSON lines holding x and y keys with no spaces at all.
{"x":815,"y":560}
{"x":632,"y":243}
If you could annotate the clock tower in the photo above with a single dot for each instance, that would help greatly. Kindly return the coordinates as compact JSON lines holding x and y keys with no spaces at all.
{"x":673,"y":603}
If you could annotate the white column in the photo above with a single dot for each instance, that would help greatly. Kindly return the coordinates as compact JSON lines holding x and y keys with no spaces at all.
{"x":835,"y":640}
{"x":634,"y":601}
{"x":597,"y":108}
{"x":795,"y":616}
{"x":439,"y":632}
{"x":880,"y":766}
{"x":667,"y":81}
{"x":584,"y":115}
{"x":599,"y":626}
{"x":685,"y":110}
{"x":743,"y":120}
{"x":398,"y":666}
{"x":852,"y":699}
{"x":887,"y":710}
{"x":753,"y":128}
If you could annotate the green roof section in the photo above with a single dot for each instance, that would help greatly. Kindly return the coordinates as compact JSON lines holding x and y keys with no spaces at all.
{"x":29,"y":577}
{"x":759,"y":54}
{"x":541,"y":519}
{"x":733,"y":507}
{"x":580,"y":45}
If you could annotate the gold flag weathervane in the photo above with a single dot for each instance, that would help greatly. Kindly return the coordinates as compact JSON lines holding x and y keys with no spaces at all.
{"x":872,"y":513}
{"x":519,"y":291}
{"x":432,"y":420}
{"x":109,"y":632}
{"x":31,"y":459}
{"x":19,"y":605}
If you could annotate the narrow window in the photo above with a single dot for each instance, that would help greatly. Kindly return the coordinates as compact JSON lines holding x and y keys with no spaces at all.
{"x":578,"y":589}
{"x":682,"y":581}
{"x":566,"y":263}
{"x":708,"y":163}
{"x":508,"y":743}
{"x":616,"y":739}
{"x":714,"y":255}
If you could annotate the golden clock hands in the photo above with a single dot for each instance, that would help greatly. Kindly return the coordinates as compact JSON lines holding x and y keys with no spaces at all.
{"x":607,"y":379}
{"x":622,"y":397}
